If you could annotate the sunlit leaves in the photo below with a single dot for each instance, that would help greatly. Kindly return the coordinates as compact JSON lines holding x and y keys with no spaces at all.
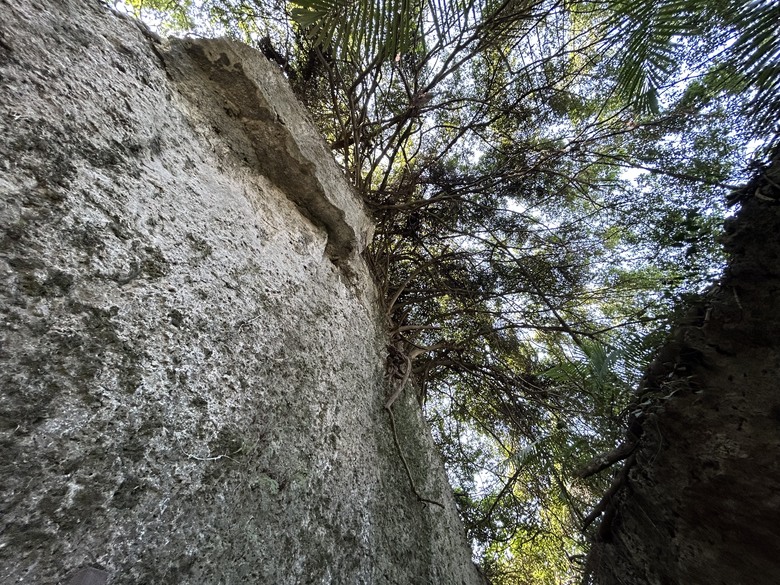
{"x":736,"y":46}
{"x":757,"y":59}
{"x":360,"y":28}
{"x":167,"y":14}
{"x":376,"y":30}
{"x":646,"y":31}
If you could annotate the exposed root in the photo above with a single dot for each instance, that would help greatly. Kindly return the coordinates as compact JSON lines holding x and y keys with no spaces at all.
{"x":420,"y":498}
{"x":604,"y":507}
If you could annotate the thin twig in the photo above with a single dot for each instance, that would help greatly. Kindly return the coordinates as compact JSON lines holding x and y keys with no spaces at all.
{"x":211,"y":458}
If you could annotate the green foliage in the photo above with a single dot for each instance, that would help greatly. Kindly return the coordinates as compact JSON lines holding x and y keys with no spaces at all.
{"x":648,"y":29}
{"x":731,"y":45}
{"x":379,"y":30}
{"x":730,"y":42}
{"x":172,"y":15}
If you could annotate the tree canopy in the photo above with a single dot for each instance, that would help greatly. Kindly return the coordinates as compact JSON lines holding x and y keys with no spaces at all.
{"x":548,"y":179}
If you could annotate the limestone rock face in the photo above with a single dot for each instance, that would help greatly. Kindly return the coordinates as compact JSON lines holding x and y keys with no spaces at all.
{"x":191,"y":349}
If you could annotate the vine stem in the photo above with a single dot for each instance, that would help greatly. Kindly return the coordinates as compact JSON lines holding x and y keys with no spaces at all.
{"x":406,"y":464}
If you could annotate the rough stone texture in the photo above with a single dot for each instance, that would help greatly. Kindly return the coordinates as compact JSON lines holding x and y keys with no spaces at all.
{"x":270,"y":132}
{"x":701,"y":501}
{"x":191,"y":353}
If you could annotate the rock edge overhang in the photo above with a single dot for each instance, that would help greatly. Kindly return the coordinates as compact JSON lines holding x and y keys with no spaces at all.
{"x":282,"y":142}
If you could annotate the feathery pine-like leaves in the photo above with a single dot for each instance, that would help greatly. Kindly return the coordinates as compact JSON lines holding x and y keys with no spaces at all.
{"x":737,"y":41}
{"x":379,"y":30}
{"x":756,"y":58}
{"x":643,"y":32}
{"x":651,"y":41}
{"x":360,"y":28}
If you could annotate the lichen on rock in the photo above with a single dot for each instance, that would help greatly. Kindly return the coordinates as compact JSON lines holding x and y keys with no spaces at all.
{"x":191,"y":355}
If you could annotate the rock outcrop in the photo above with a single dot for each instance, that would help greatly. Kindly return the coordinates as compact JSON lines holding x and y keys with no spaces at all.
{"x":192,"y":351}
{"x":699,"y":499}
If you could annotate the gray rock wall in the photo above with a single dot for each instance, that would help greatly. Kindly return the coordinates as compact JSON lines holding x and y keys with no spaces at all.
{"x":191,"y":349}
